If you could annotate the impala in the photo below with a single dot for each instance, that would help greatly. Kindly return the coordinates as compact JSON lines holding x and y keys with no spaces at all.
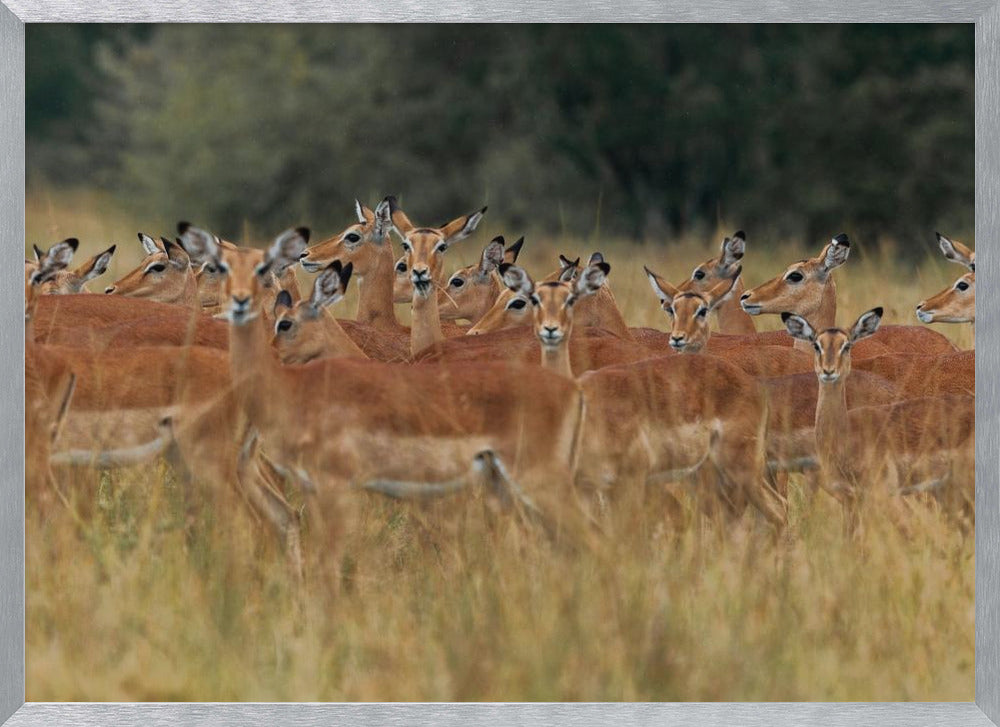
{"x":471,"y":291}
{"x":425,"y":248}
{"x":957,"y":302}
{"x":807,"y":288}
{"x":878,"y":451}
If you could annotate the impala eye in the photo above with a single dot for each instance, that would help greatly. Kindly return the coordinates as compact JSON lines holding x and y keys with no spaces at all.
{"x":401,"y":267}
{"x":517,"y":304}
{"x":699,"y":275}
{"x":962,"y":285}
{"x":284,"y":324}
{"x":670,"y":310}
{"x":702,"y":312}
{"x":457,"y":282}
{"x":352,"y":237}
{"x":816,"y":346}
{"x":441,"y":247}
{"x":405,"y":245}
{"x":794,"y":277}
{"x":156,"y":268}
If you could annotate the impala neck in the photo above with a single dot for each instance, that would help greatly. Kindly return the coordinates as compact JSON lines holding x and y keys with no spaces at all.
{"x":253,"y":366}
{"x":556,"y":358}
{"x":425,"y":325}
{"x":375,"y":306}
{"x":602,"y":311}
{"x":732,"y":318}
{"x":823,"y":316}
{"x":832,"y":430}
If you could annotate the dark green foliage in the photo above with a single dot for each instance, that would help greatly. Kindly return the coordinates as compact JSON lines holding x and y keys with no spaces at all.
{"x":641,"y":130}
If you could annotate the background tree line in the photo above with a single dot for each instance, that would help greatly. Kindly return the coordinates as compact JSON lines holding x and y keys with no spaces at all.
{"x":636,"y":130}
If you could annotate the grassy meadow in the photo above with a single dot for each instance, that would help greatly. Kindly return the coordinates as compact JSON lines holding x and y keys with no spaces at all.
{"x":153,"y":588}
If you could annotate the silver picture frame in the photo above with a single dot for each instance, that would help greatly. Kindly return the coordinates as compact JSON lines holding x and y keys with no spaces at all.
{"x":985,"y":14}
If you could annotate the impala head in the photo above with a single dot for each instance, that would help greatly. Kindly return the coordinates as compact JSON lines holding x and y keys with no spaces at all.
{"x":689,"y":309}
{"x":424,"y":247}
{"x":800,"y":288}
{"x":471,"y":291}
{"x":198,"y":244}
{"x":957,"y":302}
{"x":250,"y":275}
{"x":66,"y":282}
{"x":721,"y":267}
{"x":833,"y":346}
{"x":298,"y":330}
{"x":43,"y":269}
{"x":359,"y":244}
{"x":552,"y":301}
{"x":164,"y":274}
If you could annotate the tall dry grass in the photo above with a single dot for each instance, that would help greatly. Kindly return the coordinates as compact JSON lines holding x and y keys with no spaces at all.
{"x":154,"y":588}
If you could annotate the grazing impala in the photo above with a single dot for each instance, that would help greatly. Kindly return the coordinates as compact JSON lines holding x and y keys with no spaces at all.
{"x":957,"y":302}
{"x":660,"y":419}
{"x":724,"y":266}
{"x":807,"y":288}
{"x":425,"y":248}
{"x":914,"y":445}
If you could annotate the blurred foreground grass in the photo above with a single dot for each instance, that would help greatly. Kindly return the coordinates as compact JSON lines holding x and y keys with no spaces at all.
{"x":165,"y":591}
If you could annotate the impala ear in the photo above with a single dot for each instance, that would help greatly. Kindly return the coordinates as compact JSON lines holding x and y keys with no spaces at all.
{"x":568,"y":268}
{"x":461,"y":227}
{"x":97,"y":265}
{"x":283,"y":300}
{"x":285,"y":251}
{"x":835,"y":254}
{"x":201,"y":246}
{"x":733,"y":249}
{"x":956,"y":252}
{"x":364,"y":214}
{"x":517,"y":279}
{"x":591,"y":279}
{"x":511,"y":253}
{"x":798,"y":327}
{"x":56,"y":259}
{"x":866,"y":324}
{"x":330,"y":284}
{"x":493,"y":256}
{"x":595,"y":259}
{"x":722,"y":289}
{"x":663,"y":290}
{"x":175,"y":254}
{"x":149,"y":244}
{"x":398,"y":218}
{"x":38,"y":252}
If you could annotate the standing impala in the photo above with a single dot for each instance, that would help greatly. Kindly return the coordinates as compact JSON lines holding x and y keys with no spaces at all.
{"x":957,"y":302}
{"x":877,"y":451}
{"x":425,"y":248}
{"x":807,"y":288}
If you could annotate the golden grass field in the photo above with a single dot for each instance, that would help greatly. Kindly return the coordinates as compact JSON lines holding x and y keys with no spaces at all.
{"x":165,"y":591}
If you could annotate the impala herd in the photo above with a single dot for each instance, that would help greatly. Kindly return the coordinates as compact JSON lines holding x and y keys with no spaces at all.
{"x":209,"y":354}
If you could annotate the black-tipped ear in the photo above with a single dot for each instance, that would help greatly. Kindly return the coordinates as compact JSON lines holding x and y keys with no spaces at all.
{"x":72,"y":242}
{"x":38,"y":252}
{"x":182,"y":227}
{"x":604,"y":267}
{"x":345,"y":275}
{"x":740,"y":234}
{"x":504,"y":267}
{"x":595,"y":259}
{"x":283,"y":300}
{"x":785,"y":316}
{"x":877,"y":311}
{"x":842,"y":239}
{"x":498,"y":238}
{"x":393,"y":203}
{"x":515,"y":248}
{"x":305,"y":232}
{"x":336,"y":266}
